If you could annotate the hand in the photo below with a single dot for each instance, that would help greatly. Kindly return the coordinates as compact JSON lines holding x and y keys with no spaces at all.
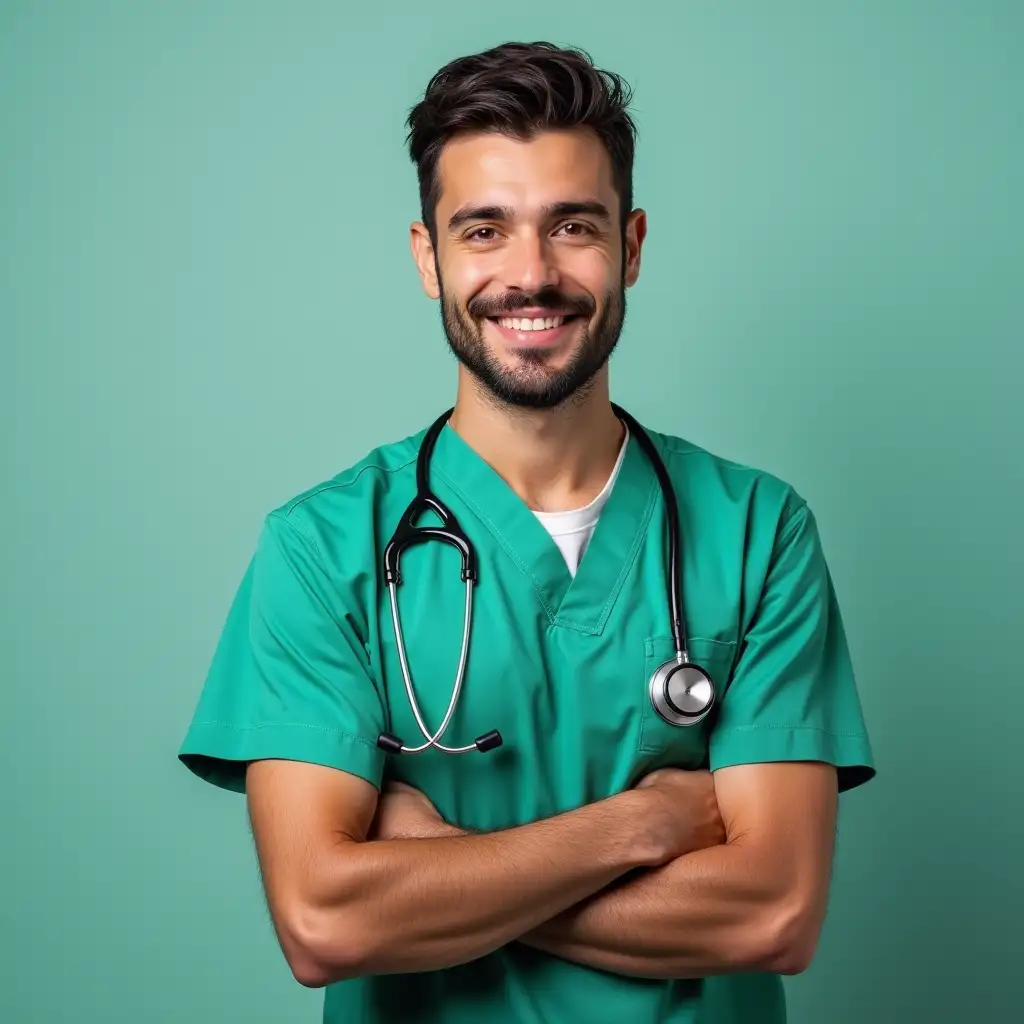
{"x":682,"y":810}
{"x":403,"y":812}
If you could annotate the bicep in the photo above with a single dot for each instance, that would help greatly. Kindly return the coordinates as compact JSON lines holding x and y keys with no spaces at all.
{"x":301,"y":814}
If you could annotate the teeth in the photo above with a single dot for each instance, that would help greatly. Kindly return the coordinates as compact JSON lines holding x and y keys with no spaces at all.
{"x":539,"y":323}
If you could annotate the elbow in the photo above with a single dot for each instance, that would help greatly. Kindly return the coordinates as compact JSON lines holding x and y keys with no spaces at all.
{"x":788,"y":938}
{"x":321,"y":950}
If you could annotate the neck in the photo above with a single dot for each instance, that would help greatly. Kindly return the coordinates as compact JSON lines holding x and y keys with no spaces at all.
{"x":554,"y":459}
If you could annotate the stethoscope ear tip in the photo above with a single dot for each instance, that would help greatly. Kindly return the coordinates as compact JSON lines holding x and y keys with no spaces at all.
{"x":488,"y":741}
{"x":389,"y":743}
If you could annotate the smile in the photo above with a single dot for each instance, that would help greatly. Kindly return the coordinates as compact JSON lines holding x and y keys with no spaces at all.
{"x":539,"y":323}
{"x":525,"y":331}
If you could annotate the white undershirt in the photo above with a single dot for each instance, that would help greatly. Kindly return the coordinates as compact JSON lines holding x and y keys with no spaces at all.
{"x":572,"y":530}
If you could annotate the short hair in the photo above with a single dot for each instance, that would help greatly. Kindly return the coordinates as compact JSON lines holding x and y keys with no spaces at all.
{"x":519,"y":90}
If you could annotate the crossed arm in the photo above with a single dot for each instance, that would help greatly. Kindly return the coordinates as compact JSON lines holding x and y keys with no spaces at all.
{"x":346,"y":903}
{"x":755,"y":902}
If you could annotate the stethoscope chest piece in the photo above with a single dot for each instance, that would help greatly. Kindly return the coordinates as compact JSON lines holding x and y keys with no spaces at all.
{"x":682,"y":693}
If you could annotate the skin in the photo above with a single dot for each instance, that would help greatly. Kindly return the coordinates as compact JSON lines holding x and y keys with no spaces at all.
{"x":623,"y":929}
{"x":554,"y":456}
{"x":725,"y":873}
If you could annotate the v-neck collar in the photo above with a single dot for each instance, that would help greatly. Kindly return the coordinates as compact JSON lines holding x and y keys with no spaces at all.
{"x":585,"y":601}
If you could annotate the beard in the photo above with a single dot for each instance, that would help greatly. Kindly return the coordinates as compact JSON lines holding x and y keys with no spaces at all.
{"x":529,"y":383}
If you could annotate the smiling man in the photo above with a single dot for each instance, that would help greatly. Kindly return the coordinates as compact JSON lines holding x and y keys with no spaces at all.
{"x":578,"y":758}
{"x":541,"y":346}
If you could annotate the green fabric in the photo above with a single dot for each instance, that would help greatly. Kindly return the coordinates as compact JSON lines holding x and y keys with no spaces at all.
{"x":307,"y":669}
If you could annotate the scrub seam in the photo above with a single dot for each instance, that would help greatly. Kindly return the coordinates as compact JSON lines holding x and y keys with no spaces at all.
{"x":290,"y":725}
{"x":668,"y":638}
{"x":671,"y":445}
{"x":787,"y":524}
{"x":335,"y":485}
{"x":627,"y":565}
{"x":673,"y":450}
{"x":523,"y":568}
{"x":793,"y":728}
{"x":299,"y":527}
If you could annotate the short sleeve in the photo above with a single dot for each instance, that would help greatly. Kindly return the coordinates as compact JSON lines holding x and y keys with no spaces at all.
{"x":290,"y":678}
{"x":792,"y":695}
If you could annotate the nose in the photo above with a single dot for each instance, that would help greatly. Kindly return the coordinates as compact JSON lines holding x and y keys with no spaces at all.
{"x":530,"y":263}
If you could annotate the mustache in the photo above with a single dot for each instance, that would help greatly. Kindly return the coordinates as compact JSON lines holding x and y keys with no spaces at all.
{"x":508,"y":305}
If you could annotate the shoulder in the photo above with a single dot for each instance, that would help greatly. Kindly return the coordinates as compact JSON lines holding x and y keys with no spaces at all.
{"x":726,"y":487}
{"x":348,"y":505}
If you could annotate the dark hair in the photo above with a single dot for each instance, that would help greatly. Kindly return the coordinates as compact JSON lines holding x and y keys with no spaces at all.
{"x":520,"y":89}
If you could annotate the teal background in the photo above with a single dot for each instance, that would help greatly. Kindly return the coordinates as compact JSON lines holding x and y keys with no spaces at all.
{"x":207,"y":304}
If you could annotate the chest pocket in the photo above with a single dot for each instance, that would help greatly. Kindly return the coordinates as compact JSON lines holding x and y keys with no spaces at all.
{"x":681,"y":746}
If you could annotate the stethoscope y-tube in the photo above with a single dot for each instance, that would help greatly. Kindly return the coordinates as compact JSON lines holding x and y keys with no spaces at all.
{"x":681,"y":692}
{"x":408,"y":534}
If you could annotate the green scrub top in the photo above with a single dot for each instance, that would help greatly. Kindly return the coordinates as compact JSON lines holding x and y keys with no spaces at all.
{"x":307,"y":669}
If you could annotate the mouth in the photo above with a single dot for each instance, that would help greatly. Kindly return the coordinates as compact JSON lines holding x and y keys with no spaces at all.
{"x":534,"y":332}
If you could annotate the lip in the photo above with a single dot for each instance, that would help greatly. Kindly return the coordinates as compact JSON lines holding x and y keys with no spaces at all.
{"x":535,"y":339}
{"x":540,"y":311}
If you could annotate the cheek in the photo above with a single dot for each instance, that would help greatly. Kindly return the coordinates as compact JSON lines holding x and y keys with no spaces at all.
{"x":593,"y":271}
{"x":599,"y":268}
{"x":466,"y":278}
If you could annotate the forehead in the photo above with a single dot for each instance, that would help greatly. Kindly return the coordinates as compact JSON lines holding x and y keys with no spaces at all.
{"x":494,"y":169}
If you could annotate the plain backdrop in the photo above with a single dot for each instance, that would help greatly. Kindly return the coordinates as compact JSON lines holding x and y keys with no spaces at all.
{"x":207,"y":304}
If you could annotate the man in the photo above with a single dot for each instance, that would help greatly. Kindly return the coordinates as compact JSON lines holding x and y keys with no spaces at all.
{"x":602,"y":864}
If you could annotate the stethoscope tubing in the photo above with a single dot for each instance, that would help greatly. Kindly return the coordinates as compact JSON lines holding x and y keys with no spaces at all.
{"x":433,"y":740}
{"x":668,"y":495}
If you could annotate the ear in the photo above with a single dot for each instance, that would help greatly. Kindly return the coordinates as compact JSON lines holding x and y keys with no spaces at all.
{"x":423,"y":254}
{"x":636,"y":232}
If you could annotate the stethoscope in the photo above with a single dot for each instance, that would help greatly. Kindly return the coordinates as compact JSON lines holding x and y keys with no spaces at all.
{"x":682,"y":693}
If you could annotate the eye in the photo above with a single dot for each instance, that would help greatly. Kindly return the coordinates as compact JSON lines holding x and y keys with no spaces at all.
{"x":474,"y":235}
{"x":582,"y":229}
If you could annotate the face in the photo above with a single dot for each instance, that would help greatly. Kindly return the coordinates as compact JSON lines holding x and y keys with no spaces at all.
{"x":530,"y":264}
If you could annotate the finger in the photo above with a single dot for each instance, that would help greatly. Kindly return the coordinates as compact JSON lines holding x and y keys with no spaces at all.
{"x":652,"y":778}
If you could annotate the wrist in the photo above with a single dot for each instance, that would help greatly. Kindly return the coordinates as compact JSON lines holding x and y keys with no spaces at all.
{"x":646,"y":847}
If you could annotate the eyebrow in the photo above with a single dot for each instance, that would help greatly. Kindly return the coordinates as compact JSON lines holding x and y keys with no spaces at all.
{"x":590,"y":207}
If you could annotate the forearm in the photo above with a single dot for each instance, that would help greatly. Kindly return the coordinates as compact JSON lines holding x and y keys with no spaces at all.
{"x":714,"y":911}
{"x":407,"y":905}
